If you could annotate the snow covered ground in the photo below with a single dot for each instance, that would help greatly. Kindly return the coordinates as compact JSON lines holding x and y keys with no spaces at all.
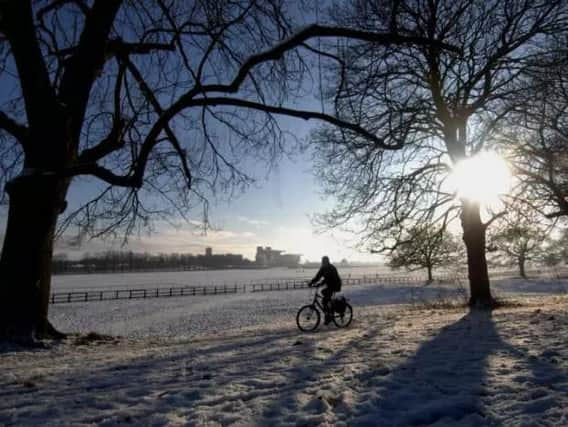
{"x":212,"y":314}
{"x":240,"y":360}
{"x":72,"y":282}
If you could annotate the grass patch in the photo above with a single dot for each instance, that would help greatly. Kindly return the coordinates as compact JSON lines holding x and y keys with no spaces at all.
{"x":94,"y":338}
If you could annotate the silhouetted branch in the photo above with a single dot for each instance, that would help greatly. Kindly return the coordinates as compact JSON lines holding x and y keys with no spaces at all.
{"x":56,"y":4}
{"x":87,"y":61}
{"x":314,"y":31}
{"x":17,"y":130}
{"x":149,"y":95}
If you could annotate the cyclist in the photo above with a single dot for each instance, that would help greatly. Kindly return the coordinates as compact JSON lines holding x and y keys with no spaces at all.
{"x":332,"y":280}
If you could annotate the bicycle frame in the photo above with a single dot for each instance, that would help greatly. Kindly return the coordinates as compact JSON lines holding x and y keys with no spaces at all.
{"x":317,"y":302}
{"x":305,"y":313}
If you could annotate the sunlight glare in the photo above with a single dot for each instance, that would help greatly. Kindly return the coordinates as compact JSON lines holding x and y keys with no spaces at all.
{"x":484,"y":178}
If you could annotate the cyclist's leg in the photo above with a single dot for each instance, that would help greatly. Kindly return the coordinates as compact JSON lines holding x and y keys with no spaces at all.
{"x":326,"y":302}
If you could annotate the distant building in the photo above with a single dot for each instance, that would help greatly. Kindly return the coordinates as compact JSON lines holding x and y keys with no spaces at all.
{"x":268,"y":257}
{"x":220,"y":261}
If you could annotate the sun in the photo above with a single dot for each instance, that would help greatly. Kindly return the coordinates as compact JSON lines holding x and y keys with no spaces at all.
{"x":483,"y":178}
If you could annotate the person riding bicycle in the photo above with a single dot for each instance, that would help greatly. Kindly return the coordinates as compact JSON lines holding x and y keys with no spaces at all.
{"x":332,"y":280}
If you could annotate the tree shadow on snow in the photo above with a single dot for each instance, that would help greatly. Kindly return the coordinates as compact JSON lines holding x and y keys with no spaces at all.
{"x":326,"y":358}
{"x":446,"y":381}
{"x":153,"y":386}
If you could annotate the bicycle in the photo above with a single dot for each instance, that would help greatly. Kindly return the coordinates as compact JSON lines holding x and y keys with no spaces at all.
{"x":309,"y":317}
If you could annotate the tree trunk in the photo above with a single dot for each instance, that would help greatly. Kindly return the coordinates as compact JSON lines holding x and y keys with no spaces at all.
{"x":521,"y":262}
{"x":430,"y":278}
{"x":25,"y":263}
{"x":474,"y":239}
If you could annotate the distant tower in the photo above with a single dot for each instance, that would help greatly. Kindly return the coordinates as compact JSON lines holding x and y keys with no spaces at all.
{"x":261,"y":258}
{"x":208,"y":252}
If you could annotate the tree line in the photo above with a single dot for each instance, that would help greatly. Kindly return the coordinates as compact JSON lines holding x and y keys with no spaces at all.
{"x":128,"y":261}
{"x":516,"y":244}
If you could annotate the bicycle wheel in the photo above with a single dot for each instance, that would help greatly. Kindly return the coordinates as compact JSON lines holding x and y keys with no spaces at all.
{"x":342,"y":320}
{"x":308,"y":318}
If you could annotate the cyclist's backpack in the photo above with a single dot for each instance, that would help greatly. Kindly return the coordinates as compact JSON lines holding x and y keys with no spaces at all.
{"x":336,"y":285}
{"x":339,"y":305}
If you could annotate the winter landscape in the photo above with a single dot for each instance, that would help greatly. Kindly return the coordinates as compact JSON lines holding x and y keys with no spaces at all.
{"x":176,"y":175}
{"x":408,"y":359}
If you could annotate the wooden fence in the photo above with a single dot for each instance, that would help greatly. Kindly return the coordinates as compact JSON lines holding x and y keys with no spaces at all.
{"x":117,"y":294}
{"x":273,"y":285}
{"x":252,"y":287}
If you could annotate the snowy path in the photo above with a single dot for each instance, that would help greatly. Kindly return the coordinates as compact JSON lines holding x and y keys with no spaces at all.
{"x":393,"y":367}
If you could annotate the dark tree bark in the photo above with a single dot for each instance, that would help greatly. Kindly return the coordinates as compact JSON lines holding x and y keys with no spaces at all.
{"x":36,"y":196}
{"x":474,"y":239}
{"x":25,"y":264}
{"x":522,"y":271}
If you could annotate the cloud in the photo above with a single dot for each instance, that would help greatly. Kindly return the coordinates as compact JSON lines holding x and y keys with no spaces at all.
{"x":252,"y":221}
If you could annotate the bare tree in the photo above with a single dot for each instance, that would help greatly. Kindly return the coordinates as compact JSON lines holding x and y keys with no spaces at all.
{"x":519,"y":237}
{"x":424,"y":247}
{"x":536,"y":136}
{"x":157,"y":100}
{"x":432,"y":108}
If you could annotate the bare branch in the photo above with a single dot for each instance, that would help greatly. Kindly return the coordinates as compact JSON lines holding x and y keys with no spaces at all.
{"x":494,"y":218}
{"x":87,"y":61}
{"x":39,"y":96}
{"x":160,"y":111}
{"x":104,"y":174}
{"x":18,"y":131}
{"x":56,"y":4}
{"x":314,"y":31}
{"x":118,"y":47}
{"x":301,"y":114}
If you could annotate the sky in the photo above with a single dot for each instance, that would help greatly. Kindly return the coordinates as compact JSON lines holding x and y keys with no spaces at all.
{"x":276,"y":211}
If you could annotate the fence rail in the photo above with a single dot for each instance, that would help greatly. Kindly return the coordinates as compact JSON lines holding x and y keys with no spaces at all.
{"x":268,"y":286}
{"x":252,"y":287}
{"x":119,"y":294}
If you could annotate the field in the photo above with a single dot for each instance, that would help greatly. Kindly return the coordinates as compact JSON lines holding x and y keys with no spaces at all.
{"x":239,"y":360}
{"x":193,"y":315}
{"x":196,"y":278}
